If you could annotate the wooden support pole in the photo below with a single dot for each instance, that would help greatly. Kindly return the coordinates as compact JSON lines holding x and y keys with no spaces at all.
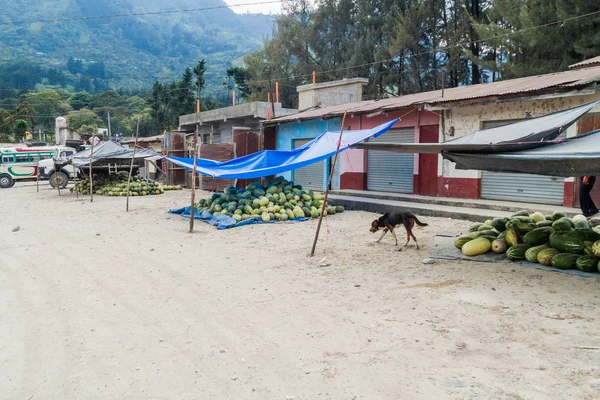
{"x":337,"y":151}
{"x":443,"y":82}
{"x":91,"y":155}
{"x":272,"y":106}
{"x":157,"y":167}
{"x":137,"y":132}
{"x":277,"y":92}
{"x":233,"y":98}
{"x":193,"y":202}
{"x":314,"y":77}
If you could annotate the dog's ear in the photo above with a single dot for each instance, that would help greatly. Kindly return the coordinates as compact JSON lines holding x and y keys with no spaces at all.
{"x":386,"y":215}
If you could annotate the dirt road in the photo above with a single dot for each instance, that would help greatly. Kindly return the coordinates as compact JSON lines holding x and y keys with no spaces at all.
{"x":96,"y":303}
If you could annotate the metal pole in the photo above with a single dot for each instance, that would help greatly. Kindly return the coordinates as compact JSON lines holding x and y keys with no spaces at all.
{"x":312,"y":252}
{"x":137,"y":132}
{"x":193,"y":202}
{"x":109,"y":132}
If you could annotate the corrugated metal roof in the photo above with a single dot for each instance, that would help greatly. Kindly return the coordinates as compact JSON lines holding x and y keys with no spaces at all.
{"x":528,"y":85}
{"x":595,"y":60}
{"x":149,"y":139}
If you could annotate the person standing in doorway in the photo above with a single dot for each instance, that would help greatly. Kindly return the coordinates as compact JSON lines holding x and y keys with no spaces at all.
{"x":585,"y":200}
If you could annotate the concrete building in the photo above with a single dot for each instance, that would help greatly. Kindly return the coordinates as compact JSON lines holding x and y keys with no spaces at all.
{"x":153,"y":142}
{"x":327,"y":94}
{"x":222,"y":122}
{"x":438,"y":116}
{"x":64,"y":133}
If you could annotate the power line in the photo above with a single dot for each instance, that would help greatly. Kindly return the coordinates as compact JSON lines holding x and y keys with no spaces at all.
{"x":440,"y":48}
{"x":454,"y":46}
{"x":96,"y":17}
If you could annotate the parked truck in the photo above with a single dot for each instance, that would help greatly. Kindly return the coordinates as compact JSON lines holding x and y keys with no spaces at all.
{"x":22,"y":163}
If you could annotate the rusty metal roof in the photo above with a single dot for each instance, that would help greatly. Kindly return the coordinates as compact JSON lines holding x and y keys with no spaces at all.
{"x":149,"y":139}
{"x":554,"y":82}
{"x":591,"y":61}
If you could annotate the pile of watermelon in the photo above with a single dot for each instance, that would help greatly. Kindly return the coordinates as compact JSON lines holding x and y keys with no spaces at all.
{"x":275,"y":200}
{"x":551,"y":240}
{"x":116,"y":185}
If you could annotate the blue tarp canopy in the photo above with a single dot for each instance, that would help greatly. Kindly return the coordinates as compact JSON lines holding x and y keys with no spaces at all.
{"x":273,"y":162}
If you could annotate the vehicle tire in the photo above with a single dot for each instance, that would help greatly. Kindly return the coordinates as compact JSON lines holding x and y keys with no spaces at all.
{"x":59,"y":180}
{"x":6,"y":181}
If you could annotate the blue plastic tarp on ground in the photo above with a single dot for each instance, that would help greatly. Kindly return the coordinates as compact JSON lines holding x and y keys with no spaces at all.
{"x":273,"y":162}
{"x":223,"y":221}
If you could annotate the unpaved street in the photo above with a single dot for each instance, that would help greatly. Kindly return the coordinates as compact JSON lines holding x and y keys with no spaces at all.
{"x":96,"y":303}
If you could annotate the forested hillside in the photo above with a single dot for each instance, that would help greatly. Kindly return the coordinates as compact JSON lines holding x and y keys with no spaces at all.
{"x":127,"y":52}
{"x":153,"y":66}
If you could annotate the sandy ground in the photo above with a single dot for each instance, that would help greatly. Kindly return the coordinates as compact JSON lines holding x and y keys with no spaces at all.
{"x":96,"y":303}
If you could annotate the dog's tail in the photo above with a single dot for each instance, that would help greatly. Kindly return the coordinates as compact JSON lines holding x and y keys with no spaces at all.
{"x":419,"y":223}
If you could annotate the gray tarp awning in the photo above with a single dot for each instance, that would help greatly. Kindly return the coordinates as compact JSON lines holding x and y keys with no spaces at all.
{"x":111,"y":153}
{"x":527,"y":134}
{"x":577,"y":156}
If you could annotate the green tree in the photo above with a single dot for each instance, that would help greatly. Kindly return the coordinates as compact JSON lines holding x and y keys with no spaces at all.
{"x":80,"y":100}
{"x":136,"y":105}
{"x":74,"y":66}
{"x":184,"y":95}
{"x":160,"y":104}
{"x":19,"y":128}
{"x":542,"y":46}
{"x":84,"y":117}
{"x":239,"y":76}
{"x":199,"y":71}
{"x":48,"y":105}
{"x":108,"y":99}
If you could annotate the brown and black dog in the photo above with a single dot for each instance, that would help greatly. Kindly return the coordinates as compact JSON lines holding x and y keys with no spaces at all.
{"x":388,"y":222}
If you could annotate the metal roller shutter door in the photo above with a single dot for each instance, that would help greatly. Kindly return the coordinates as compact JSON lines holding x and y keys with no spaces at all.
{"x":388,"y":171}
{"x":521,"y":187}
{"x":311,"y":176}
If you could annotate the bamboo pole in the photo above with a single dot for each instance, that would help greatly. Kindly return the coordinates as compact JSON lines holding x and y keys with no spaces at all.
{"x":337,"y":151}
{"x":137,"y":132}
{"x":91,"y":155}
{"x":193,"y":202}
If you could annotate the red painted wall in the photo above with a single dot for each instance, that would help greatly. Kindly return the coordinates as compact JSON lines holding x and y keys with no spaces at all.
{"x":409,"y":118}
{"x":462,"y":188}
{"x":569,"y":199}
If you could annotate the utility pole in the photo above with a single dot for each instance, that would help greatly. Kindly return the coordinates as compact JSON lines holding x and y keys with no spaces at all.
{"x":193,"y":201}
{"x":109,"y":135}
